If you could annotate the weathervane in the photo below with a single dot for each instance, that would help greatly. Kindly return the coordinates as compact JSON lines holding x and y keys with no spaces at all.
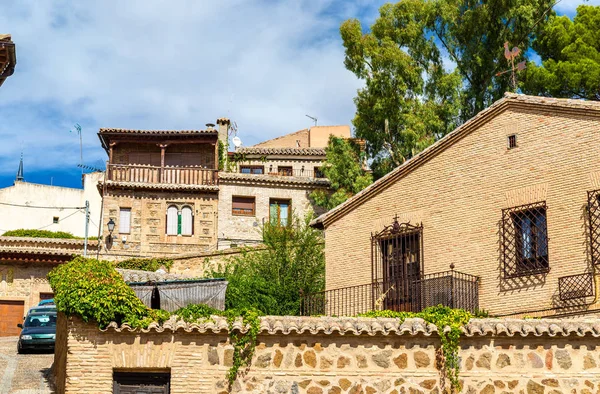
{"x":510,"y":56}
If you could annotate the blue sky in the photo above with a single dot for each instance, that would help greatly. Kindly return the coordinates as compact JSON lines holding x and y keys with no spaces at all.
{"x":169,"y":65}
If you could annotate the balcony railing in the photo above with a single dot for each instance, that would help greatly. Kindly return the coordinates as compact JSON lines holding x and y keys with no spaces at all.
{"x":298,"y":173}
{"x":451,"y":288}
{"x":152,"y":174}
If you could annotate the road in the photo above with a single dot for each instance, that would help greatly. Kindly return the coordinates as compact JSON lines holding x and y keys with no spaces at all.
{"x":23,"y":373}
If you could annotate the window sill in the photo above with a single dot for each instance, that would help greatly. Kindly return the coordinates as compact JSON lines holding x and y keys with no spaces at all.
{"x":242,"y":215}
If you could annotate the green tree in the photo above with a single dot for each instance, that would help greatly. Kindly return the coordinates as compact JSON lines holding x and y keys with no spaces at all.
{"x":410,"y":98}
{"x":271,"y":280}
{"x":343,"y":168}
{"x":570,"y":52}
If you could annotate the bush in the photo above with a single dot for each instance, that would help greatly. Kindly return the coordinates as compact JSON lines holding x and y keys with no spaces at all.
{"x":42,"y":234}
{"x":271,"y":280}
{"x":151,"y":264}
{"x":95,"y":291}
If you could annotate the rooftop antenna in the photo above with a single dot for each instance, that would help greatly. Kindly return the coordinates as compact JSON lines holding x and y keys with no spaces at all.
{"x":77,"y":127}
{"x":510,"y":55}
{"x":313,"y":119}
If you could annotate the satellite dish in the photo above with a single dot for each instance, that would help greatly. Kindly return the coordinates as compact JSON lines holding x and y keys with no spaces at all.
{"x":237,"y":142}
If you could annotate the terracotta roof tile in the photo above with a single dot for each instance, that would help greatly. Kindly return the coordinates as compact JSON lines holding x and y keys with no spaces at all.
{"x":283,"y":151}
{"x":235,"y":177}
{"x":290,"y":325}
{"x":173,"y":132}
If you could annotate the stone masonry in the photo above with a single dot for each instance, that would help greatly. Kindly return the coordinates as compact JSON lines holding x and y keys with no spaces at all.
{"x":337,"y":355}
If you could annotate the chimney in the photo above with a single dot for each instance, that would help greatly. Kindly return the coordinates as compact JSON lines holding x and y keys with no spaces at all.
{"x":223,"y":124}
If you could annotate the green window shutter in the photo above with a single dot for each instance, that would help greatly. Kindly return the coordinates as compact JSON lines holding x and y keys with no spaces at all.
{"x":273,"y":213}
{"x":179,"y":223}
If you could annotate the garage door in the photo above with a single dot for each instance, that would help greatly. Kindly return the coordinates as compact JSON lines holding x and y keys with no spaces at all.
{"x":11,"y":314}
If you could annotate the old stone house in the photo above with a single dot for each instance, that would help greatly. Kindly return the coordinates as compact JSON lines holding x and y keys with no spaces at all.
{"x":501,"y":214}
{"x":24,"y":265}
{"x":165,"y":194}
{"x":271,"y":181}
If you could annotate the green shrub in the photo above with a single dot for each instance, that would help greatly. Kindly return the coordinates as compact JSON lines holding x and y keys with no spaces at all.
{"x":196,"y":312}
{"x":150,"y":264}
{"x":95,"y":291}
{"x":272,"y":279}
{"x":31,"y":233}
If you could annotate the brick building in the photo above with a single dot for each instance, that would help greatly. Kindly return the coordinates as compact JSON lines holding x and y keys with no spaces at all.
{"x":510,"y":198}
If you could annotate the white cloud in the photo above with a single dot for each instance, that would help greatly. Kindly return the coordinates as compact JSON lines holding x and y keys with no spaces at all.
{"x":569,"y":7}
{"x":169,"y":65}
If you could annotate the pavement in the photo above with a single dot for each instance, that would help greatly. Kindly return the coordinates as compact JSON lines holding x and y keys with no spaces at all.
{"x":23,"y":373}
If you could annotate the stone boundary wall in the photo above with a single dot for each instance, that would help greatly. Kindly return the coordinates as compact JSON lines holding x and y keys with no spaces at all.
{"x":337,"y":355}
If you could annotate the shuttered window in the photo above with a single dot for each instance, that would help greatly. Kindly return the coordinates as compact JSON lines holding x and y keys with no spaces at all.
{"x":172,"y":220}
{"x":280,"y":212}
{"x":187,"y":219}
{"x":243,"y":206}
{"x":124,"y":220}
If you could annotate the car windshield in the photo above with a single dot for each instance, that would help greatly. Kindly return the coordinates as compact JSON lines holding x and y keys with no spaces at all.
{"x":41,"y":320}
{"x":45,"y":309}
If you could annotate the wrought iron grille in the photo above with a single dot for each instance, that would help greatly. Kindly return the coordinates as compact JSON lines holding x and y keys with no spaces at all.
{"x":524,"y":240}
{"x":451,"y":288}
{"x":396,"y":261}
{"x":575,"y":286}
{"x":594,"y":223}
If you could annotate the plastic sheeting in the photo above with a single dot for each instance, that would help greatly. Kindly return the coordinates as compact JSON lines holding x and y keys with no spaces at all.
{"x":178,"y":294}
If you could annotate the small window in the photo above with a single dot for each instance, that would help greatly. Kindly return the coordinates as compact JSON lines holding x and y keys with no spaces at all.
{"x":187,"y":221}
{"x":252,"y":169}
{"x":243,"y":206}
{"x":124,"y":220}
{"x":55,"y":220}
{"x":284,"y":171}
{"x":512,"y":141}
{"x":172,"y":220}
{"x":141,"y":382}
{"x":525,"y":240}
{"x":280,"y":212}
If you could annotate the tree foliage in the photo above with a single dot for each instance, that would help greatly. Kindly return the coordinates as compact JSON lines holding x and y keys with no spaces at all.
{"x":343,"y":168}
{"x":570,"y":53}
{"x":271,"y":280}
{"x":429,"y":65}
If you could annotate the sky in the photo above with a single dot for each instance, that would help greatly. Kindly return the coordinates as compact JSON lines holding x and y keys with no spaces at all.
{"x":170,"y":65}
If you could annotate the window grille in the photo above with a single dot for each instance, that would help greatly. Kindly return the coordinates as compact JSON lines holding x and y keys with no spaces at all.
{"x":524,"y":240}
{"x":575,"y":286}
{"x":594,"y":225}
{"x":512,"y":141}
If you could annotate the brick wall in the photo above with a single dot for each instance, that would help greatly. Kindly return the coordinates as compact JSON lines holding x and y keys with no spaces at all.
{"x":514,"y":356}
{"x":458,"y":195}
{"x":148,"y":221}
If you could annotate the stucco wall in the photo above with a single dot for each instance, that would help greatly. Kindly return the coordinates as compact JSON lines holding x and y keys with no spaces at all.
{"x":310,"y":355}
{"x":69,"y":220}
{"x":24,"y":282}
{"x":459,"y":195}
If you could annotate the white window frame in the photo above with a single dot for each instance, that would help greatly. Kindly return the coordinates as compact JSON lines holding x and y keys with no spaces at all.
{"x":124,"y":220}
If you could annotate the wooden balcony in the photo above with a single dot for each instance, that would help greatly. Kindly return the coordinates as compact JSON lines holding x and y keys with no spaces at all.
{"x":170,"y":175}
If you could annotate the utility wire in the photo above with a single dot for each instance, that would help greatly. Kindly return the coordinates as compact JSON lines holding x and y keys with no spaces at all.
{"x":40,"y":207}
{"x":60,"y":220}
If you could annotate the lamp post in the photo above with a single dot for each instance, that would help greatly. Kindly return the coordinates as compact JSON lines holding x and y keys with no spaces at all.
{"x":111,"y":227}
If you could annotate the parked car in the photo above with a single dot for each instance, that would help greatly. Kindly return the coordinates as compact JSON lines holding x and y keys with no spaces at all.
{"x":38,"y":332}
{"x":42,"y":308}
{"x":47,"y":302}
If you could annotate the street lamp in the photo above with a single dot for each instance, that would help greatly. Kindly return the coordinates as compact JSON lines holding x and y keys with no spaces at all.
{"x":111,"y":226}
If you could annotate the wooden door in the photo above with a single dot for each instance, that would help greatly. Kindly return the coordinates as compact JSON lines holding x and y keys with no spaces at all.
{"x":401,"y":269}
{"x":11,"y":314}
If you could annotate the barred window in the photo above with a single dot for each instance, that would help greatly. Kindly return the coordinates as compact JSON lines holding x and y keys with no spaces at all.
{"x":594,"y":223}
{"x":524,"y":240}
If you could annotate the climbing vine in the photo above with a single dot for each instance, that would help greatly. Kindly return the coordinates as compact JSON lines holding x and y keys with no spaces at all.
{"x":145,"y":264}
{"x":449,"y":323}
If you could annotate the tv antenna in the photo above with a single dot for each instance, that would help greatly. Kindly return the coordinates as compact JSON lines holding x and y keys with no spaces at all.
{"x":313,"y":119}
{"x":77,"y":127}
{"x":84,"y":167}
{"x":510,"y":55}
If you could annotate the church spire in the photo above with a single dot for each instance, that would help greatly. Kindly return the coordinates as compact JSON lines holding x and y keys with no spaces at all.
{"x":20,"y":177}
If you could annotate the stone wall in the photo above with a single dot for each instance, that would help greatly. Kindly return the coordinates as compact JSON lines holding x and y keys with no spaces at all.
{"x":148,"y":222}
{"x":339,"y":355}
{"x":194,"y":265}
